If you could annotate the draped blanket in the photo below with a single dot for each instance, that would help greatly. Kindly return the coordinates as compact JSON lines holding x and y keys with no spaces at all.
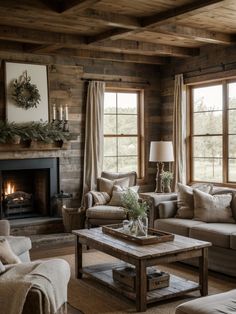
{"x":50,"y":277}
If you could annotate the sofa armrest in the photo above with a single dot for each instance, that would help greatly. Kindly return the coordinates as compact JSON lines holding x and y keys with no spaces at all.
{"x":4,"y":228}
{"x":167,"y":209}
{"x":88,"y":200}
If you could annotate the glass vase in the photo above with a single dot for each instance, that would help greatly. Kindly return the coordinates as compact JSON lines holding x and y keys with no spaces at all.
{"x":139,"y":226}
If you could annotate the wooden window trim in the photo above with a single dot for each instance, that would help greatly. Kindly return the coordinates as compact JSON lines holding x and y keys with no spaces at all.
{"x":140,"y":127}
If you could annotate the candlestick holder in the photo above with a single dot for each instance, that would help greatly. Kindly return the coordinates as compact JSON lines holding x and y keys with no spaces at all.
{"x":66,"y":126}
{"x":61,"y":124}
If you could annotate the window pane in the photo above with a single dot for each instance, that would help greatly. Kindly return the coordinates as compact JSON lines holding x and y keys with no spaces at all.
{"x":208,"y":169}
{"x":208,"y":122}
{"x":109,"y":124}
{"x":232,"y":170}
{"x":110,"y":164}
{"x":110,"y":103}
{"x":127,"y":146}
{"x":127,"y":124}
{"x":127,"y":164}
{"x":232,"y":95}
{"x":110,"y":147}
{"x":207,"y":98}
{"x":127,"y":103}
{"x":207,"y":146}
{"x":232,"y":121}
{"x":232,"y":146}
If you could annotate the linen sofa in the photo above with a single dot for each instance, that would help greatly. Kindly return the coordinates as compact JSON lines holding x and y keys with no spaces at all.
{"x":107,"y":214}
{"x":34,"y":302}
{"x":222,"y":254}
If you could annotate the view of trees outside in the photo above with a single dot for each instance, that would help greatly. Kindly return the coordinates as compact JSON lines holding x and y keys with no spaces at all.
{"x":208,"y":133}
{"x":120,"y":131}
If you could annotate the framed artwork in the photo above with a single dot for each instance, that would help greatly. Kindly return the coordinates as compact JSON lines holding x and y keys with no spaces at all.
{"x":26,"y":92}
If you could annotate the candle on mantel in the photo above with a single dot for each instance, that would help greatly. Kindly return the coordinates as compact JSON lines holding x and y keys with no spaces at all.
{"x":66,"y":113}
{"x":54,"y":112}
{"x":61,"y":113}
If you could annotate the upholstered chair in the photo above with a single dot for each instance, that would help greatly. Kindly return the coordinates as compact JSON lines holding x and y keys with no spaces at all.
{"x":108,"y":213}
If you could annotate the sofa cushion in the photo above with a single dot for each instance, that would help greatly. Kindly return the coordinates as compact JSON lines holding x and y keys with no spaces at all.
{"x":175,"y":225}
{"x":216,"y":233}
{"x":222,"y":190}
{"x":100,"y":198}
{"x":118,"y":194}
{"x":212,"y":208}
{"x":2,"y":268}
{"x":7,"y":256}
{"x":106,"y":211}
{"x":19,"y":245}
{"x":185,"y":201}
{"x":214,"y":304}
{"x":106,"y":185}
{"x":132,"y":175}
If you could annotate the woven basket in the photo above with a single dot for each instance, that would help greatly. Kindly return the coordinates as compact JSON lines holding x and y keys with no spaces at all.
{"x":73,"y":218}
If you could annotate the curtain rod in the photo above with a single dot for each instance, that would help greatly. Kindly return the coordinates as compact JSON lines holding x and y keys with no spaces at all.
{"x":116,"y":81}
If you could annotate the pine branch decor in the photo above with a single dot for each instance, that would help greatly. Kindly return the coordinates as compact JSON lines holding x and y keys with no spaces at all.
{"x":25,"y":94}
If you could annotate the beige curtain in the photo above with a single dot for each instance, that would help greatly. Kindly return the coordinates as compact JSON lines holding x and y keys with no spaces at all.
{"x":179,"y":131}
{"x":93,"y":151}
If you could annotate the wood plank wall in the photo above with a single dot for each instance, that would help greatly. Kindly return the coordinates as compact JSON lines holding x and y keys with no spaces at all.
{"x":212,"y":63}
{"x":66,"y":87}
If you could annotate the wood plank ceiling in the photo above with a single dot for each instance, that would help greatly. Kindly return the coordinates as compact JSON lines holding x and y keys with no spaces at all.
{"x":141,"y":31}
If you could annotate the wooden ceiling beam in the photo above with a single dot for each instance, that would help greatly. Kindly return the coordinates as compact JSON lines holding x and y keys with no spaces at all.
{"x":42,"y":48}
{"x":197,"y":34}
{"x":110,"y":56}
{"x":75,"y":6}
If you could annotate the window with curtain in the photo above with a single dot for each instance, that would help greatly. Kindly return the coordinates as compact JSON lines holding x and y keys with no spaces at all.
{"x":123,"y":131}
{"x":213,"y":132}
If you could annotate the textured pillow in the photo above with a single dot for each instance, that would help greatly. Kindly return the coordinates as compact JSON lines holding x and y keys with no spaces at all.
{"x":185,"y":201}
{"x":212,"y":208}
{"x":7,"y":256}
{"x":118,"y":192}
{"x":106,"y":185}
{"x":100,"y":198}
{"x":2,"y":268}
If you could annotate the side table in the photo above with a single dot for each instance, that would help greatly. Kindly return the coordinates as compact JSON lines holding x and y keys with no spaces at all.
{"x":154,"y":199}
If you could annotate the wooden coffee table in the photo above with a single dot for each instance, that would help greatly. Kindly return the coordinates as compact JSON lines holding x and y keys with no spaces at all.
{"x":142,"y":257}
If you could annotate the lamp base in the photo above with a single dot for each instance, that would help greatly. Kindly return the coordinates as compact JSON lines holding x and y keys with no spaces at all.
{"x":159,"y":183}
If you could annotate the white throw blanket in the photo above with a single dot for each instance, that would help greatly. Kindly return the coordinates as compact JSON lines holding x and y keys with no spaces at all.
{"x":50,"y":277}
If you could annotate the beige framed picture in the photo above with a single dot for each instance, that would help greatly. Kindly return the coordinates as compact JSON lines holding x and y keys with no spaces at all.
{"x":26,"y":92}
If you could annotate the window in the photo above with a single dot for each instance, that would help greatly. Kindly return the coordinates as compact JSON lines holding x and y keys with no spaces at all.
{"x":213,"y":132}
{"x":123,"y":131}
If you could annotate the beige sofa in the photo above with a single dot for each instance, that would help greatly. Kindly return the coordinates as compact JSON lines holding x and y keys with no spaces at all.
{"x":34,"y":302}
{"x":214,"y":304}
{"x":222,"y":254}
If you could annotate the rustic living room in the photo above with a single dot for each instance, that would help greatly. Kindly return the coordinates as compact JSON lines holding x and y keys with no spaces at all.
{"x":118,"y":156}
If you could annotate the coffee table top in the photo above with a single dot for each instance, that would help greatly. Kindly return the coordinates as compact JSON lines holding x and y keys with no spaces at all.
{"x":180,"y":244}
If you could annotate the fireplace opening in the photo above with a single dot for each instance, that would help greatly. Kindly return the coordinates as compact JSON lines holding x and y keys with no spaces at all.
{"x":27,"y":187}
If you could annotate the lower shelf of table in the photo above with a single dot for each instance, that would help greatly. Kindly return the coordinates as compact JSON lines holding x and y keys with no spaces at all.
{"x":178,"y":286}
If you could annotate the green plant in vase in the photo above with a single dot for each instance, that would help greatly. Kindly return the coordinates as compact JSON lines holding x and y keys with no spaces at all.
{"x":137,"y":212}
{"x":167,"y":178}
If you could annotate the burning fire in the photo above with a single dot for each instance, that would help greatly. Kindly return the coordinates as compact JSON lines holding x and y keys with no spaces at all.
{"x":9,"y":189}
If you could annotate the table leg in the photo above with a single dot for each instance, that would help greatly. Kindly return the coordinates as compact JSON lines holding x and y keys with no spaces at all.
{"x":203,"y":272}
{"x":78,"y":258}
{"x":141,"y":286}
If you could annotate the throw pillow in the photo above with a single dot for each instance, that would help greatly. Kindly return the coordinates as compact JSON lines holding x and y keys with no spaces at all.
{"x":2,"y":268}
{"x":100,"y":198}
{"x":106,"y":185}
{"x":212,"y":208}
{"x":118,"y":192}
{"x":7,"y":256}
{"x":185,"y":201}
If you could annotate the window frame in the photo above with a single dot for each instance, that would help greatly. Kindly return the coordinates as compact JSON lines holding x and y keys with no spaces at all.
{"x":225,"y":131}
{"x":140,"y":126}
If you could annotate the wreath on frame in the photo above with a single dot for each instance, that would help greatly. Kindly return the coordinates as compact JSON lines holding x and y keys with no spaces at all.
{"x":25,"y":94}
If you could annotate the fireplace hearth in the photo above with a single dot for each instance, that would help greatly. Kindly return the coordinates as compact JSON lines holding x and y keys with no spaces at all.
{"x":27,"y":187}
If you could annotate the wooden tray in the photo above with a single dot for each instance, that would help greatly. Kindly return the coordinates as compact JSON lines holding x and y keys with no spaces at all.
{"x":154,"y":236}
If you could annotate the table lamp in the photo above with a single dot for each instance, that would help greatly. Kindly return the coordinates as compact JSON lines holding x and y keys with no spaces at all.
{"x":160,"y":152}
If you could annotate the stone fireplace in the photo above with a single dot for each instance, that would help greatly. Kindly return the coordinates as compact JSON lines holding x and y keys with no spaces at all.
{"x":28,"y":186}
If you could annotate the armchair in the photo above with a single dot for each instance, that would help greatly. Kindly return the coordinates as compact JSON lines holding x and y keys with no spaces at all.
{"x":107,"y":214}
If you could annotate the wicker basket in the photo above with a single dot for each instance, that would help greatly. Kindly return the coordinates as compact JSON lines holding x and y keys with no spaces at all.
{"x":73,"y":218}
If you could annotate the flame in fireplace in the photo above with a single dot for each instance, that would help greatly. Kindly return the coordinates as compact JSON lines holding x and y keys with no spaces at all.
{"x":9,"y":189}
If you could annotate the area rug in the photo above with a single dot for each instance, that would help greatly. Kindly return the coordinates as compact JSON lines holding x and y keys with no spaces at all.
{"x":91,"y":297}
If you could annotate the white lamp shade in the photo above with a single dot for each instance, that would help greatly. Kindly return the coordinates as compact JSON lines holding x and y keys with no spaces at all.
{"x":161,"y":151}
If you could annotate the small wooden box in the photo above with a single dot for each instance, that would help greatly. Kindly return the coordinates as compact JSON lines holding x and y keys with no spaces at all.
{"x":127,"y":277}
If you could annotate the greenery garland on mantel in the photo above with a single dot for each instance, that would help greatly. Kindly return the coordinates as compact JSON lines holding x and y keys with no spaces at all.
{"x":25,"y":94}
{"x":33,"y":131}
